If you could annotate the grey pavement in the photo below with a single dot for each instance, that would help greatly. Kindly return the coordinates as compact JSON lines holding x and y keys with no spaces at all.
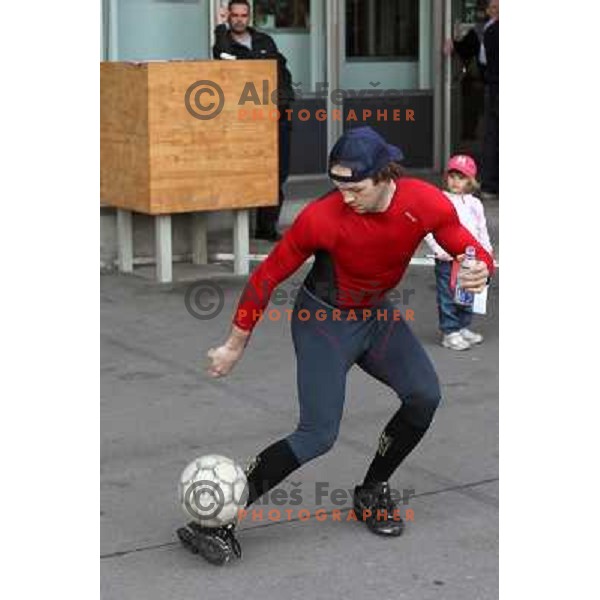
{"x":159,"y":410}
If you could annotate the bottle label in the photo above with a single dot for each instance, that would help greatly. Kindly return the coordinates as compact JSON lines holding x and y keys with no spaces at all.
{"x":463,"y":297}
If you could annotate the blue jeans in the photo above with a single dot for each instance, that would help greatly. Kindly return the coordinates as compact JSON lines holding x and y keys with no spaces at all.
{"x":452,"y":316}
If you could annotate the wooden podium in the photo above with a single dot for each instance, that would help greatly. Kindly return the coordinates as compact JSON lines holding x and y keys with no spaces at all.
{"x":173,"y":140}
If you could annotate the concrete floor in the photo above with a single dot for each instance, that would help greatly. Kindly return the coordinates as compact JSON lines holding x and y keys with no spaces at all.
{"x":159,"y":410}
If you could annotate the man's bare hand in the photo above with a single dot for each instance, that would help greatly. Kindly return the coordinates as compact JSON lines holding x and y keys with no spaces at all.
{"x":225,"y":357}
{"x":222,"y":360}
{"x":475,"y":278}
{"x":222,"y":15}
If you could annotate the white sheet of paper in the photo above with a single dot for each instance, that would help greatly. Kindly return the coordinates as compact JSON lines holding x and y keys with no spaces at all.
{"x":480,"y":302}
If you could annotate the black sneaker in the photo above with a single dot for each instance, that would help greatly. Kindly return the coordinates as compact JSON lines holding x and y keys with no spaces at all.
{"x":217,"y":545}
{"x":377,"y":499}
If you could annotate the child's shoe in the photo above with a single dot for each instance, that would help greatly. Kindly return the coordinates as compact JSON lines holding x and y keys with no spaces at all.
{"x":471,"y":336}
{"x":455,"y":341}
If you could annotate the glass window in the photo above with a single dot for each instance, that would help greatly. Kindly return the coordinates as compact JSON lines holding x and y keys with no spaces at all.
{"x":382,"y":29}
{"x":282,"y":14}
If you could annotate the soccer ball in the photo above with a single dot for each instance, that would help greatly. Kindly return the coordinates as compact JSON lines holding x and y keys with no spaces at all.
{"x":212,"y":489}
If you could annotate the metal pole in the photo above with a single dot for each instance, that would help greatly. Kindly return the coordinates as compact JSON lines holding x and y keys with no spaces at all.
{"x":317,"y":49}
{"x":334,"y":59}
{"x":447,"y":83}
{"x":103,"y":34}
{"x":426,"y":32}
{"x":113,"y":30}
{"x":212,"y":19}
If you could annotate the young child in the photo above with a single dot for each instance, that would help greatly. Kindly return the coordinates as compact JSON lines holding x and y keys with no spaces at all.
{"x":460,"y":182}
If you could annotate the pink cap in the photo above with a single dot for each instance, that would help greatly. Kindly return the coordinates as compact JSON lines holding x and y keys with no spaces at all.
{"x":463,"y":164}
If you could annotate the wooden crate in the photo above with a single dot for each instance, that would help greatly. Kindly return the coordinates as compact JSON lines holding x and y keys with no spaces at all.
{"x":156,"y":158}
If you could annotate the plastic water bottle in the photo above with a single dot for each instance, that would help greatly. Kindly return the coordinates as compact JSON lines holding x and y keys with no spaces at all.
{"x":462,"y":296}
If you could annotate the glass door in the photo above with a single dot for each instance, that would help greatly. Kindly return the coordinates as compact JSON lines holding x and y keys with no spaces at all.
{"x":381,"y":55}
{"x":380,"y":43}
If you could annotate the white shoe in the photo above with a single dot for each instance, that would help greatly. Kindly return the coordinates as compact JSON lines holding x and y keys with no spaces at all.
{"x":455,"y":341}
{"x":471,"y":336}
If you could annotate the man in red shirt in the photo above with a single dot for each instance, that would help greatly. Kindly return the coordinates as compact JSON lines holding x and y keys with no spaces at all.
{"x":362,"y":235}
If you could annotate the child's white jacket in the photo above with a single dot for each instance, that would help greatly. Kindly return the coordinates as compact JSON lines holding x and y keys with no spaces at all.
{"x":471,"y":216}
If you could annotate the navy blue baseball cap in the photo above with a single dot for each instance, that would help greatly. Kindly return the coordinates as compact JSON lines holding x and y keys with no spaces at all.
{"x":364,"y":152}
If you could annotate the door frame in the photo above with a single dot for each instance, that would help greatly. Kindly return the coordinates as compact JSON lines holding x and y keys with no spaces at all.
{"x":435,"y":16}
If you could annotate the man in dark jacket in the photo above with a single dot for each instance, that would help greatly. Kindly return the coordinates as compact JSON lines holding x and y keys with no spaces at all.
{"x":234,"y":38}
{"x":491,"y":140}
{"x":485,"y":48}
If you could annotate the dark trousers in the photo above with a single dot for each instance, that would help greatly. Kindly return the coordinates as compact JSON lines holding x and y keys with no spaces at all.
{"x":326,"y":350}
{"x":491,"y":140}
{"x":267,"y":216}
{"x":472,"y":103}
{"x":452,"y":317}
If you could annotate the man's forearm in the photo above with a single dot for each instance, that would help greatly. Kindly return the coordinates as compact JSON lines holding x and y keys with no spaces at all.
{"x":238,"y":338}
{"x":454,"y":239}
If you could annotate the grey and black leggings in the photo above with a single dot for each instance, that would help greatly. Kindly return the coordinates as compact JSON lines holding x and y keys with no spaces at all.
{"x":326,"y":349}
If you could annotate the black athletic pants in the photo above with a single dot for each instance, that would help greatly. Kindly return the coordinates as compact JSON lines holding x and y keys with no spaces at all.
{"x":326,"y":349}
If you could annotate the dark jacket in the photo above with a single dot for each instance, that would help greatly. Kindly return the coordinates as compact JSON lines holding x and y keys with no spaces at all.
{"x":263,"y":47}
{"x":491,"y":41}
{"x":468,"y":50}
{"x":469,"y":46}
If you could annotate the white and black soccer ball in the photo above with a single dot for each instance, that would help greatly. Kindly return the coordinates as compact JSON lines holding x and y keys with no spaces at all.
{"x":212,"y":489}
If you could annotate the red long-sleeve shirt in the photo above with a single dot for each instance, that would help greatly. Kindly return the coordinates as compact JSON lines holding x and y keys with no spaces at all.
{"x":358,"y":257}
